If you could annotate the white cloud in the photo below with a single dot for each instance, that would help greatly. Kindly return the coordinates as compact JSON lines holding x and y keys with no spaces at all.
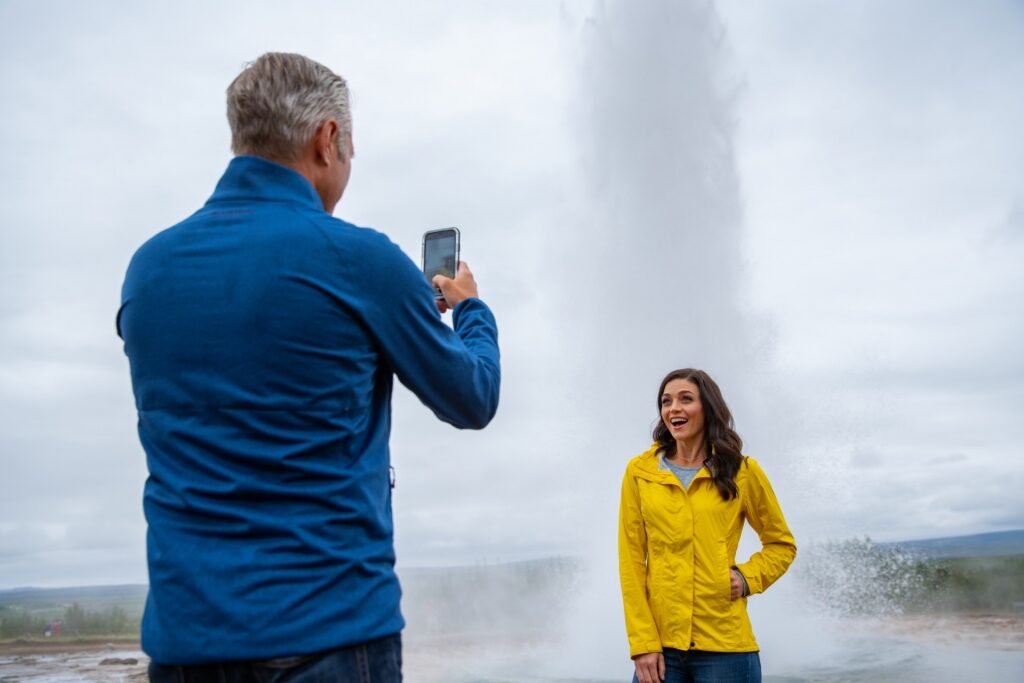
{"x":830,"y":218}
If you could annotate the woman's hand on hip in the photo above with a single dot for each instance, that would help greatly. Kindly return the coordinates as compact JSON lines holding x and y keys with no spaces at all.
{"x":650,"y":667}
{"x":736,"y":585}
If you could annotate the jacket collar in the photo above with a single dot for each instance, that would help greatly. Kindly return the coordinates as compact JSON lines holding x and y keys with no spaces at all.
{"x":250,"y":178}
{"x":646,"y":465}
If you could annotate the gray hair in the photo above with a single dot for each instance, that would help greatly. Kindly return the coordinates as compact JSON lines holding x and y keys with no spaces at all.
{"x":280,"y":100}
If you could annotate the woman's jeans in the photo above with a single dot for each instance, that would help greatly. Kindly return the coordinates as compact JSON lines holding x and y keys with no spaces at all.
{"x":697,"y":666}
{"x":378,"y":661}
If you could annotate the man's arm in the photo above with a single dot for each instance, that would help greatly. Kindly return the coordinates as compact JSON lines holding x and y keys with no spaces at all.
{"x":457,"y":374}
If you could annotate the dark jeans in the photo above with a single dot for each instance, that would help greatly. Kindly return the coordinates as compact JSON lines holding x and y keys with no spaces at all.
{"x":696,"y":666}
{"x":378,"y":661}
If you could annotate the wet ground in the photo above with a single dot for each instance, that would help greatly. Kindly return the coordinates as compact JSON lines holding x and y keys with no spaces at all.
{"x":932,"y":649}
{"x":92,"y":661}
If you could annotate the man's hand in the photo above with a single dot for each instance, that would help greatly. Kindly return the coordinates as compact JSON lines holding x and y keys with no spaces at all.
{"x":456,"y":290}
{"x":650,"y":667}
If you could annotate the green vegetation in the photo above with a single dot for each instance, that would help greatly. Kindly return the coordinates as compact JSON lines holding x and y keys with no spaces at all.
{"x":99,"y":611}
{"x":973,"y":584}
{"x":859,"y":577}
{"x":20,"y":622}
{"x":75,"y":621}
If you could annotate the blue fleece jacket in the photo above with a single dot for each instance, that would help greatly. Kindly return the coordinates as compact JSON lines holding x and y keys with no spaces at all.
{"x":263,"y":335}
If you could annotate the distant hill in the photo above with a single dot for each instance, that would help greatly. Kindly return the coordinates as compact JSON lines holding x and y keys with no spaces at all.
{"x":129,"y":597}
{"x":998,"y":544}
{"x":556,"y":570}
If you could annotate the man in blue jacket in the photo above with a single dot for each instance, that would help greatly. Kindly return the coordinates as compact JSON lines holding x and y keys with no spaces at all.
{"x":263,"y":336}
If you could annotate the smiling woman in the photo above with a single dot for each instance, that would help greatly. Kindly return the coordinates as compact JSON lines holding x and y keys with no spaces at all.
{"x":681,"y":432}
{"x":684,"y":502}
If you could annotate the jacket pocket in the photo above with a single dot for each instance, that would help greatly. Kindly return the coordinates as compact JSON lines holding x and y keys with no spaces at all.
{"x":724,"y":572}
{"x":712,"y":583}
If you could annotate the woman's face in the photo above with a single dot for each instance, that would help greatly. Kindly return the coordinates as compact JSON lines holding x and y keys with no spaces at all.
{"x":681,"y":410}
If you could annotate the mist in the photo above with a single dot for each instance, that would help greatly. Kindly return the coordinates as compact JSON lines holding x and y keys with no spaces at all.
{"x":642,"y":272}
{"x":820,"y":206}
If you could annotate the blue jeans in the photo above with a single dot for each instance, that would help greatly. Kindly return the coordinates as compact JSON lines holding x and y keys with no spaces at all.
{"x":378,"y":661}
{"x":697,"y":666}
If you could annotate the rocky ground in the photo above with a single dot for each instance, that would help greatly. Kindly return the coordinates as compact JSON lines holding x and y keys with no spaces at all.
{"x":981,"y":630}
{"x":104,"y":661}
{"x":72,"y":660}
{"x":122,"y":661}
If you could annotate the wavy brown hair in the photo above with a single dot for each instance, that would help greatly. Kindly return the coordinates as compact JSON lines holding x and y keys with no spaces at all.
{"x":722,"y":444}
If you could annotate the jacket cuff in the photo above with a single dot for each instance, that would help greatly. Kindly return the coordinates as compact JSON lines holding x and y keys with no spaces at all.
{"x":746,"y":586}
{"x":643,"y":649}
{"x":752,"y":584}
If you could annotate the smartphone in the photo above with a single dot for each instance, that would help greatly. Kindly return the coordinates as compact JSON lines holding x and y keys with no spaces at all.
{"x":440,"y":254}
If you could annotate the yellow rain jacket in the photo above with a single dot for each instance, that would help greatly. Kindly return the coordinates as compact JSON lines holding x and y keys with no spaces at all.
{"x":676,"y":547}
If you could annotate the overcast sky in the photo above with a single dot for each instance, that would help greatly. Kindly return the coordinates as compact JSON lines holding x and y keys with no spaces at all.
{"x":821,"y":204}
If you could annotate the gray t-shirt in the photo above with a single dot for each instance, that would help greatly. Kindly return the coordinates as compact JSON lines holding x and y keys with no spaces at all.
{"x":684,"y":474}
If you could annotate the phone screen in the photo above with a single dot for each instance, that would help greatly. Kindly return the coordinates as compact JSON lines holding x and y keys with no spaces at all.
{"x":440,"y":253}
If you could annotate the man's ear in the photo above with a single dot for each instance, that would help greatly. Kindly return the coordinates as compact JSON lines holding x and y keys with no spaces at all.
{"x":326,"y":138}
